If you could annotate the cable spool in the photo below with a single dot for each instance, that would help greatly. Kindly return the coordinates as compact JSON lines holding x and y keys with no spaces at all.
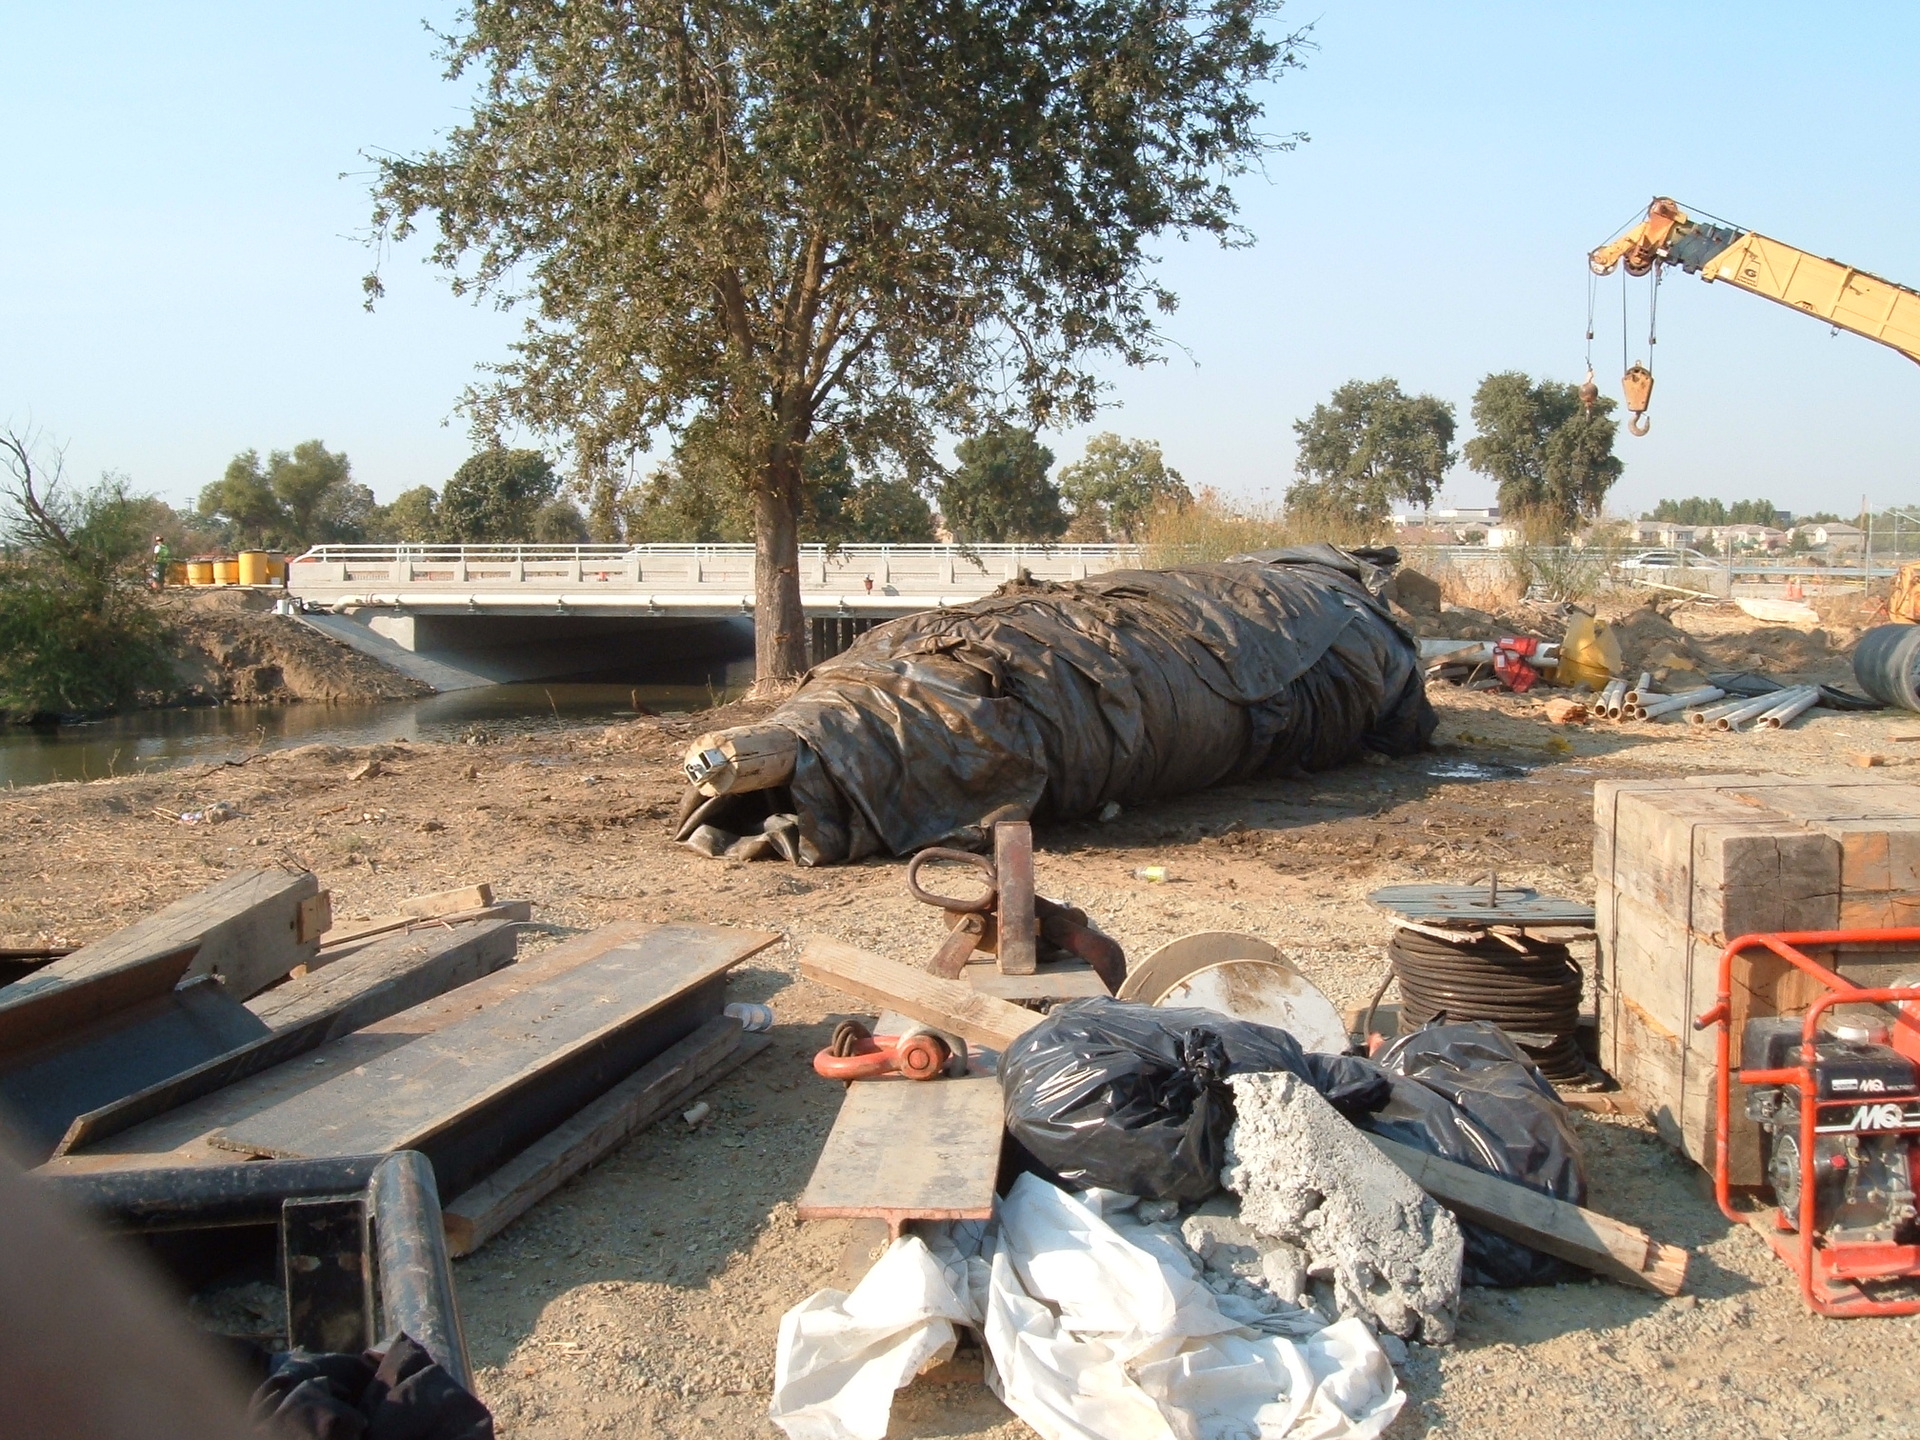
{"x":1532,"y":993}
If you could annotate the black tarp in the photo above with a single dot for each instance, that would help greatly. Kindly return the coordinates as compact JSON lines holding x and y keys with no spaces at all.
{"x":1047,"y":701}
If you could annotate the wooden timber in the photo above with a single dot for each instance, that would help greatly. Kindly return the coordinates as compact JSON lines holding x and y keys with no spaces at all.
{"x":248,"y":930}
{"x":1683,"y":866}
{"x":181,"y":1136}
{"x":472,"y":1095}
{"x":951,"y":1005}
{"x":655,"y":1089}
{"x":388,"y":977}
{"x":910,"y":1150}
{"x":1590,"y":1240}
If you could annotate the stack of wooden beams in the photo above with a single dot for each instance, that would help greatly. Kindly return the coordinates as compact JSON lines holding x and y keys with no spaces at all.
{"x":1681,"y":867}
{"x":240,"y":1023}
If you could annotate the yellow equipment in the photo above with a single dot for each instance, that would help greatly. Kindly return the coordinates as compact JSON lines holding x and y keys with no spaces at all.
{"x":1903,"y":603}
{"x":1846,"y":298}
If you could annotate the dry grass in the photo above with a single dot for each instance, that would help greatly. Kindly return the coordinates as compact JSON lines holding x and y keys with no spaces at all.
{"x":1213,"y":526}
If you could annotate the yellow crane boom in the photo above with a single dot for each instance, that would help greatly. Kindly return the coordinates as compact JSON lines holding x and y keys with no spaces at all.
{"x":1841,"y":295}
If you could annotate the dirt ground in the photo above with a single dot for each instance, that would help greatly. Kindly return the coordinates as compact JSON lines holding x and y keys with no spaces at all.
{"x":229,"y":649}
{"x":643,"y":1299}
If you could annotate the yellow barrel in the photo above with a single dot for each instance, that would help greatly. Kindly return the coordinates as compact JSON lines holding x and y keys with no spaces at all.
{"x":254,"y":567}
{"x":176,"y":572}
{"x":200,"y":572}
{"x":226,"y":572}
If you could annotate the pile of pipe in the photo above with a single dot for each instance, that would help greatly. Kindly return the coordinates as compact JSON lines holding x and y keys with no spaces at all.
{"x":1058,"y":701}
{"x":1706,"y":705}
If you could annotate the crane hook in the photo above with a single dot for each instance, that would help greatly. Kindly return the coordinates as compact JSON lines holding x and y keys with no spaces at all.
{"x":1589,"y":392}
{"x":1637,"y":386}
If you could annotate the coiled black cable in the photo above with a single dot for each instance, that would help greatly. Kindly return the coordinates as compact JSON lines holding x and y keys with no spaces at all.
{"x":1532,"y":993}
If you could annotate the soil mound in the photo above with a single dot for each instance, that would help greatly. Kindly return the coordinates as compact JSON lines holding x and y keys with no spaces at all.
{"x":229,"y":648}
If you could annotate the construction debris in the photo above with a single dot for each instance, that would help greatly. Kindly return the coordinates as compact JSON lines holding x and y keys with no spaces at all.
{"x":1307,"y":1177}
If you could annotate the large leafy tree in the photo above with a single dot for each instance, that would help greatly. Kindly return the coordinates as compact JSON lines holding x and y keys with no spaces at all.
{"x":1369,"y":445}
{"x":494,"y":496}
{"x":1000,"y":492}
{"x":833,"y":222}
{"x":1552,"y":459}
{"x":294,"y":498}
{"x":1118,"y":483}
{"x":76,"y":631}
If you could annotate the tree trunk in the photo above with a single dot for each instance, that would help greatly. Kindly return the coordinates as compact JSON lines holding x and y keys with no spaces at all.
{"x":779,"y":624}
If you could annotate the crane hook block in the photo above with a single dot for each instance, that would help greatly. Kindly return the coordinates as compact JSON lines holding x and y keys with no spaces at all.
{"x":1589,"y":392}
{"x":1637,"y":386}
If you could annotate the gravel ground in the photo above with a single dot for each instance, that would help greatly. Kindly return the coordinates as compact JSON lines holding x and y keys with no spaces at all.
{"x":643,"y":1298}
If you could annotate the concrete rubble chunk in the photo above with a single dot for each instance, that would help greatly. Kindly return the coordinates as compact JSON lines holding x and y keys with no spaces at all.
{"x":1307,"y":1177}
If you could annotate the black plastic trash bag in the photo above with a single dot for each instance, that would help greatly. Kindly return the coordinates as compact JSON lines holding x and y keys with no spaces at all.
{"x":1467,"y":1093}
{"x":1113,"y":1095}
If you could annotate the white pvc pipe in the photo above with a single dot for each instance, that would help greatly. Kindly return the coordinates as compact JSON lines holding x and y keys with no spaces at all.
{"x":1752,"y":710}
{"x":1786,"y":713}
{"x":1664,"y":705}
{"x":1714,"y":712}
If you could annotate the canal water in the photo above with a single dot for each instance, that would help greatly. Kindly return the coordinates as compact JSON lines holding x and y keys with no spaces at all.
{"x":151,"y":740}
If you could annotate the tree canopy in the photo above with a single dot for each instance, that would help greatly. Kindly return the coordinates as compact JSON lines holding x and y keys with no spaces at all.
{"x":1552,"y":460}
{"x":1000,"y":492}
{"x":1117,"y":484}
{"x":295,"y":498}
{"x":494,"y":496}
{"x":76,"y":631}
{"x":1701,"y":510}
{"x":1369,"y":445}
{"x":830,"y":222}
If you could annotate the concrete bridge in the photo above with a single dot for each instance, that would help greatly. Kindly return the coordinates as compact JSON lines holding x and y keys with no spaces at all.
{"x":459,"y":616}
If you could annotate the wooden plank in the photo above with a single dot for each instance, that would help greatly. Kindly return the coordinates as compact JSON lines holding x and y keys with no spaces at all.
{"x":247,"y":928}
{"x":393,"y":974}
{"x":388,"y":977}
{"x":348,"y":938}
{"x":659,"y":1086}
{"x":449,"y":902}
{"x":945,"y":1004}
{"x":181,"y":1136}
{"x":43,"y":1090}
{"x":1593,"y":1241}
{"x":910,"y":1150}
{"x":476,"y":1092}
{"x":1051,"y":980}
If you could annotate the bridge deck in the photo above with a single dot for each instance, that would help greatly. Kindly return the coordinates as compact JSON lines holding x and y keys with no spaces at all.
{"x":690,"y":580}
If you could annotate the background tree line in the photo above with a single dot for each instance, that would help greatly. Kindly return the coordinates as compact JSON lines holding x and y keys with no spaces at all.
{"x":1001,"y":488}
{"x":1371,"y":446}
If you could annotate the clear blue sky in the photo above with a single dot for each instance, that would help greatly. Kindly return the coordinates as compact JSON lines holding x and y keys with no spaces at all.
{"x":179,"y":268}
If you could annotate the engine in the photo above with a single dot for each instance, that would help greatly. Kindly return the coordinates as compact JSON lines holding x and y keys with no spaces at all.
{"x":1866,"y":1157}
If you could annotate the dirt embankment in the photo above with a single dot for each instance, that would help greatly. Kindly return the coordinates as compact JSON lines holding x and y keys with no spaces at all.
{"x":230,"y":649}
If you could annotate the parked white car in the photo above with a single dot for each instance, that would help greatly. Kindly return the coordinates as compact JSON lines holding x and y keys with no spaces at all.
{"x":1669,"y":560}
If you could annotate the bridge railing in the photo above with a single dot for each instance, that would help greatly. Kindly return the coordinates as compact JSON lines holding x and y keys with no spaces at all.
{"x":889,"y":567}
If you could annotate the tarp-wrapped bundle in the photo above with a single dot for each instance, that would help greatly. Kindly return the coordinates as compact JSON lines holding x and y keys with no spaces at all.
{"x":1047,"y":701}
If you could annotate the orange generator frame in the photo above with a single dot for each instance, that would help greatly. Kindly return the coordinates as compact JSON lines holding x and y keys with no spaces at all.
{"x":1832,"y":1275}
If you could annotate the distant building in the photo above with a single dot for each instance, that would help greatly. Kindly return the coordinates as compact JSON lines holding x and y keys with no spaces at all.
{"x":1451,"y":525}
{"x":1748,"y":537}
{"x":1835,"y":539}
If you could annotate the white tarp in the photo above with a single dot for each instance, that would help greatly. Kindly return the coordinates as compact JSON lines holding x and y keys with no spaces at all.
{"x":1097,"y":1327}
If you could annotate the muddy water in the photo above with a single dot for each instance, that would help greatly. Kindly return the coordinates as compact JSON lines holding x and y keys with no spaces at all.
{"x":156,"y":739}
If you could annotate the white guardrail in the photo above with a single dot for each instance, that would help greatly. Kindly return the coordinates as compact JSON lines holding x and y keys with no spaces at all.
{"x":713,"y":579}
